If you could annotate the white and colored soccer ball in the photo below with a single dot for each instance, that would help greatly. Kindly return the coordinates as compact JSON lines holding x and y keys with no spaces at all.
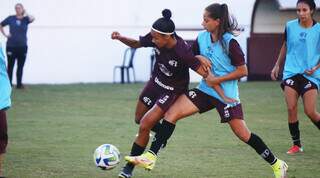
{"x":106,"y":156}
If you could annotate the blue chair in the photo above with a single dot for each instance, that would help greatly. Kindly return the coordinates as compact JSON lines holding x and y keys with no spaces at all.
{"x":127,"y":64}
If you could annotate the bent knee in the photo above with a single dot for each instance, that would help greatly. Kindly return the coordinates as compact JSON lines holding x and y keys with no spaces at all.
{"x":312,"y":114}
{"x":171,"y":116}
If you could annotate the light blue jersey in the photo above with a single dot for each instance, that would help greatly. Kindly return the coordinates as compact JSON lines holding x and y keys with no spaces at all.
{"x":221,"y":65}
{"x":303,"y":51}
{"x":5,"y":87}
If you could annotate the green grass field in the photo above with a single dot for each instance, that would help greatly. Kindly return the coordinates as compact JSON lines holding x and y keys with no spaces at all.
{"x":53,"y":131}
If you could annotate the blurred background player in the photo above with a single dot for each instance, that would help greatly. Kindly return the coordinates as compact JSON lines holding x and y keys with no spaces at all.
{"x":228,"y":65}
{"x":5,"y":103}
{"x":301,"y":74}
{"x":169,"y":79}
{"x":17,"y":41}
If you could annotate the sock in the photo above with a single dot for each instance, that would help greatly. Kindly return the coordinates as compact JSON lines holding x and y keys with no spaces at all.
{"x":261,"y":148}
{"x":162,"y":136}
{"x":317,"y":124}
{"x":136,"y":150}
{"x":295,"y":133}
{"x":156,"y":127}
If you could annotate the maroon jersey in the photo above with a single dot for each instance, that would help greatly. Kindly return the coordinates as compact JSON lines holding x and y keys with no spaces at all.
{"x":171,"y":69}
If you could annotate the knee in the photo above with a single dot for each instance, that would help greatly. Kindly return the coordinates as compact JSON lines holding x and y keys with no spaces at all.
{"x":292,"y":109}
{"x":311,"y":113}
{"x":243,"y":136}
{"x":171,"y":116}
{"x":144,"y":127}
{"x":138,"y":118}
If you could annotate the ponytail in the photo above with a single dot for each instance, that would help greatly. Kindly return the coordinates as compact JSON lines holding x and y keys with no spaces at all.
{"x":227,"y":23}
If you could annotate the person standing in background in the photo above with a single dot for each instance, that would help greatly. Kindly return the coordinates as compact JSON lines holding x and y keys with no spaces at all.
{"x":17,"y":40}
{"x":5,"y":103}
{"x":300,"y":54}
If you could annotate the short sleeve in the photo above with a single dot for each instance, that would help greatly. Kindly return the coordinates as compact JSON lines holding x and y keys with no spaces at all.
{"x":195,"y":47}
{"x":285,"y":35}
{"x":235,"y":53}
{"x":146,"y":41}
{"x":190,"y":60}
{"x":5,"y":22}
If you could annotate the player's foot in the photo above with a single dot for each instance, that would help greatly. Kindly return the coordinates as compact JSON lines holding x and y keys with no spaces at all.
{"x":295,"y":149}
{"x":125,"y":173}
{"x":146,"y":160}
{"x":280,"y":169}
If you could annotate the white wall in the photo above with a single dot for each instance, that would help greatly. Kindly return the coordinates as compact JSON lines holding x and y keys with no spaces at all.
{"x":70,"y":40}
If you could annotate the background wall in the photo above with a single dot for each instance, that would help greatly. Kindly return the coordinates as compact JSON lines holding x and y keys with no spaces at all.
{"x":70,"y":40}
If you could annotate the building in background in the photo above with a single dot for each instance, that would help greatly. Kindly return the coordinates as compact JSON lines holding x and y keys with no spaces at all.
{"x":70,"y":41}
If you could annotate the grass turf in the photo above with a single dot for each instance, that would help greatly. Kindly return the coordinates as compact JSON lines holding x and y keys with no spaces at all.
{"x":54,"y":129}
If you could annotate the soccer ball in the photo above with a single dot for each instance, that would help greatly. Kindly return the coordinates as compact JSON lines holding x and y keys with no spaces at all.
{"x":106,"y":156}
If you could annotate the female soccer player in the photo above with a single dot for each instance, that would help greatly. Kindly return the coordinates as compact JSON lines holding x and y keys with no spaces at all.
{"x":169,"y":79}
{"x":17,"y":41}
{"x":5,"y":102}
{"x":218,"y":44}
{"x":301,"y":75}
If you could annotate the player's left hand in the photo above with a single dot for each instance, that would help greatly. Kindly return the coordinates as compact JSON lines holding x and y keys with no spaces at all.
{"x":205,"y":63}
{"x":212,"y":80}
{"x":311,"y":71}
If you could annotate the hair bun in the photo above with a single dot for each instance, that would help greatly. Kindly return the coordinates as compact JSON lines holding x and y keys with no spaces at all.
{"x":166,"y":13}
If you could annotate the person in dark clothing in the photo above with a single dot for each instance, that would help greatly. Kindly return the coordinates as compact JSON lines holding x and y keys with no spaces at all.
{"x":17,"y":41}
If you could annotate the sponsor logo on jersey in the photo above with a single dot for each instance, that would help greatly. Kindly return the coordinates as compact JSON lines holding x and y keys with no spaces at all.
{"x":167,"y":87}
{"x":173,"y":63}
{"x":165,"y":70}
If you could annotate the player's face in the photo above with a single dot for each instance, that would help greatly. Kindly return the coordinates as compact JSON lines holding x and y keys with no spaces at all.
{"x":159,"y":40}
{"x":209,"y":23}
{"x":304,"y":12}
{"x":19,"y":9}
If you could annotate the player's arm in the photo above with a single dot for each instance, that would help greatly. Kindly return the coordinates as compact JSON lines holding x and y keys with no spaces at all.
{"x":241,"y":71}
{"x":313,"y":69}
{"x":281,"y":57}
{"x":237,"y":60}
{"x":127,"y":41}
{"x":2,"y":24}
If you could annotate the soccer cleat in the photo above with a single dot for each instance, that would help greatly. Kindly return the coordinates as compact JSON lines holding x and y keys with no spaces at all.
{"x":125,"y":173}
{"x":280,"y":169}
{"x":295,"y":149}
{"x":146,"y":160}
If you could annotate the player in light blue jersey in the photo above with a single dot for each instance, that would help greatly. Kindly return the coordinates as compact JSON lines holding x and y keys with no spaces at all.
{"x":5,"y":103}
{"x":301,"y":74}
{"x":217,"y":43}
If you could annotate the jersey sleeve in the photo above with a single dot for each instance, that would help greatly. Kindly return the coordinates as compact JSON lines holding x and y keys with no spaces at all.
{"x":5,"y":22}
{"x":189,"y":59}
{"x":195,"y":47}
{"x":285,"y":35}
{"x":235,"y":53}
{"x":146,"y":41}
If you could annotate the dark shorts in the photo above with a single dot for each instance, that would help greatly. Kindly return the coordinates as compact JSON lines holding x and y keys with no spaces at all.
{"x":205,"y":102}
{"x":154,"y":94}
{"x":299,"y":83}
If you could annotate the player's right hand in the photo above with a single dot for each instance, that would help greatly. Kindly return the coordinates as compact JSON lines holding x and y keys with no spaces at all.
{"x":115,"y":35}
{"x":275,"y":72}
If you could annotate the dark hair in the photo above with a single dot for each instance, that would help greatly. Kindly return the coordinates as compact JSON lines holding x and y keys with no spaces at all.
{"x":164,"y":25}
{"x":310,"y":3}
{"x":227,"y":22}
